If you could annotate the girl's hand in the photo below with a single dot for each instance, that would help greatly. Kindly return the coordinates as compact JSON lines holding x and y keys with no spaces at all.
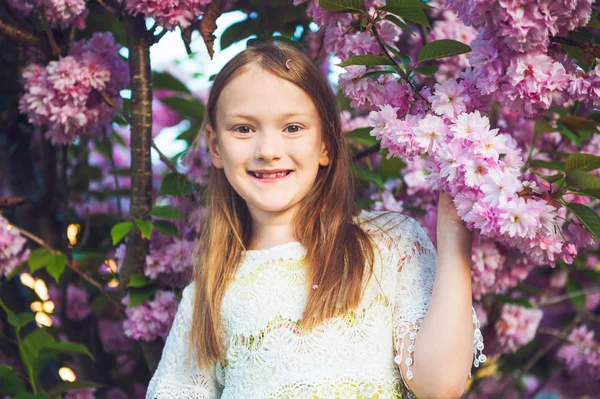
{"x":447,"y":214}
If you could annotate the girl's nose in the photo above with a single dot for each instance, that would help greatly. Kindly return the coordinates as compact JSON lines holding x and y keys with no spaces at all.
{"x":268,"y":146}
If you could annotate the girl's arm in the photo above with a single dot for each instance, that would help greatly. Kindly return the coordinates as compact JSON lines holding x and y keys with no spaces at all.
{"x":438,"y":346}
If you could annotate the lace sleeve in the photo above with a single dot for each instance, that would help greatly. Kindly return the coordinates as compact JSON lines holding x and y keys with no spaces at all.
{"x":416,"y":269}
{"x":173,"y":378}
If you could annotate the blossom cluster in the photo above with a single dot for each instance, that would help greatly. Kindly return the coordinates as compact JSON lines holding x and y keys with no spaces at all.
{"x":12,"y":248}
{"x":582,"y":352}
{"x":511,"y":57}
{"x":168,"y":13}
{"x":66,"y":96}
{"x":59,"y":13}
{"x":152,"y":318}
{"x":516,"y":327}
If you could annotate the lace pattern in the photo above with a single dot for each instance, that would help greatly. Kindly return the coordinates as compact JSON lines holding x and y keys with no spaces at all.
{"x":356,"y":354}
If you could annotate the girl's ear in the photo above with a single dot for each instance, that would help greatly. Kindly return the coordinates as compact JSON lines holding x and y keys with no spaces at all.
{"x":213,"y":147}
{"x":324,"y":157}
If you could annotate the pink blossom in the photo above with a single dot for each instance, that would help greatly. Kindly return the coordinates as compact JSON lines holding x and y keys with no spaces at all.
{"x":326,"y":18}
{"x":516,"y":326}
{"x":12,"y":248}
{"x":168,"y":13}
{"x":78,"y":307}
{"x":581,"y":351}
{"x":113,"y":336}
{"x":83,"y":393}
{"x":449,"y":99}
{"x":152,"y":318}
{"x":175,"y":257}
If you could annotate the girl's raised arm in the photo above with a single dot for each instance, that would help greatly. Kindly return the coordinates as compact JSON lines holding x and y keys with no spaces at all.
{"x":173,"y":379}
{"x":436,"y":331}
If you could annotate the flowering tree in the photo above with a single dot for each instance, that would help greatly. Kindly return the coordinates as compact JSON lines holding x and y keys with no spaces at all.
{"x":491,"y":101}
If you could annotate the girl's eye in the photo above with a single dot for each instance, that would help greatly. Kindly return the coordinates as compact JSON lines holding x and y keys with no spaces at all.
{"x":296,"y":130}
{"x":242,"y":127}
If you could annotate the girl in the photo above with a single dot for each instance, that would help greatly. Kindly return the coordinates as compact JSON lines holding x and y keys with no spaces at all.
{"x":297,"y":293}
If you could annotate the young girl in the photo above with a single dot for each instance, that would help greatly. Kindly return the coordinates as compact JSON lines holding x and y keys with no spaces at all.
{"x":297,"y":293}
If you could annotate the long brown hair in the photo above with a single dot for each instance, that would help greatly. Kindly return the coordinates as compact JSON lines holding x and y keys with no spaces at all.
{"x":340,"y":253}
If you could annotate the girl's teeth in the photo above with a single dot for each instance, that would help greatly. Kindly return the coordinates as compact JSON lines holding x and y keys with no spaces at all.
{"x":271,"y":175}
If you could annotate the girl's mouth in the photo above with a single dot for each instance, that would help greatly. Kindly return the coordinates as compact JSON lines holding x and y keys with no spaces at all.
{"x":270,"y":177}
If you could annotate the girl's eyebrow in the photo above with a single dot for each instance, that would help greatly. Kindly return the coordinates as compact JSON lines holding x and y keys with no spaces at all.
{"x":283,"y":116}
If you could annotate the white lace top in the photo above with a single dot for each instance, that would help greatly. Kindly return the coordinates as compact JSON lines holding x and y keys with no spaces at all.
{"x":356,"y":355}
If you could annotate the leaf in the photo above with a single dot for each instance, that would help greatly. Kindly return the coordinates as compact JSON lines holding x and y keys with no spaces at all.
{"x":29,"y":395}
{"x":16,"y":271}
{"x":166,"y":228}
{"x":342,"y":5}
{"x":10,"y":383}
{"x":238,"y":31}
{"x":38,"y":258}
{"x":32,"y":344}
{"x":399,"y":23}
{"x":514,"y":301}
{"x":405,"y":59}
{"x":427,"y":70}
{"x":145,"y":227}
{"x":582,"y":180}
{"x":368,"y":175}
{"x":176,"y":184}
{"x":376,"y":74}
{"x":554,"y":165}
{"x":138,"y":280}
{"x":56,"y":266}
{"x":576,"y":123}
{"x":408,"y":4}
{"x":582,"y":161}
{"x":187,"y":107}
{"x":549,"y":179}
{"x":166,"y":212}
{"x":543,"y":127}
{"x":166,"y":81}
{"x":362,"y":135}
{"x":67,"y":347}
{"x":139,"y":295}
{"x":119,"y":231}
{"x":367,"y":60}
{"x":579,"y":300}
{"x":588,"y":217}
{"x":21,"y":320}
{"x":412,"y":14}
{"x":78,"y":384}
{"x":441,"y":48}
{"x":208,"y":24}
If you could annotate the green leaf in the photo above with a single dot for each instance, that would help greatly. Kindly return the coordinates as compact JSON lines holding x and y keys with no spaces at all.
{"x":119,"y":231}
{"x":582,"y":161}
{"x":543,"y":127}
{"x":362,"y":135}
{"x":38,"y":258}
{"x":166,"y":212}
{"x":187,"y":107}
{"x":29,"y":395}
{"x":176,"y":184}
{"x":368,"y":175}
{"x":21,"y":320}
{"x":582,"y":180}
{"x":376,"y":74}
{"x":408,"y":4}
{"x":412,"y":14}
{"x":588,"y":217}
{"x":514,"y":301}
{"x":579,"y":300}
{"x":427,"y":70}
{"x":78,"y":384}
{"x":405,"y":59}
{"x":66,"y":347}
{"x":240,"y":30}
{"x":31,"y":346}
{"x":399,"y":23}
{"x":166,"y":228}
{"x":139,"y":295}
{"x":342,"y":5}
{"x":577,"y":123}
{"x":138,"y":280}
{"x":549,"y":179}
{"x":367,"y":60}
{"x":56,"y":267}
{"x":16,"y":271}
{"x":166,"y":81}
{"x":554,"y":165}
{"x":145,"y":227}
{"x":10,"y":383}
{"x":441,"y":48}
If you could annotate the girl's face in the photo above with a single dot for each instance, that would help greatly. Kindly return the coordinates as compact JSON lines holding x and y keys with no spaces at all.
{"x":265,"y":124}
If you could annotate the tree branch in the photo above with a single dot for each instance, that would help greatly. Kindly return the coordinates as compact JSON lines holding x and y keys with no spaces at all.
{"x":20,"y":35}
{"x":365,"y":153}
